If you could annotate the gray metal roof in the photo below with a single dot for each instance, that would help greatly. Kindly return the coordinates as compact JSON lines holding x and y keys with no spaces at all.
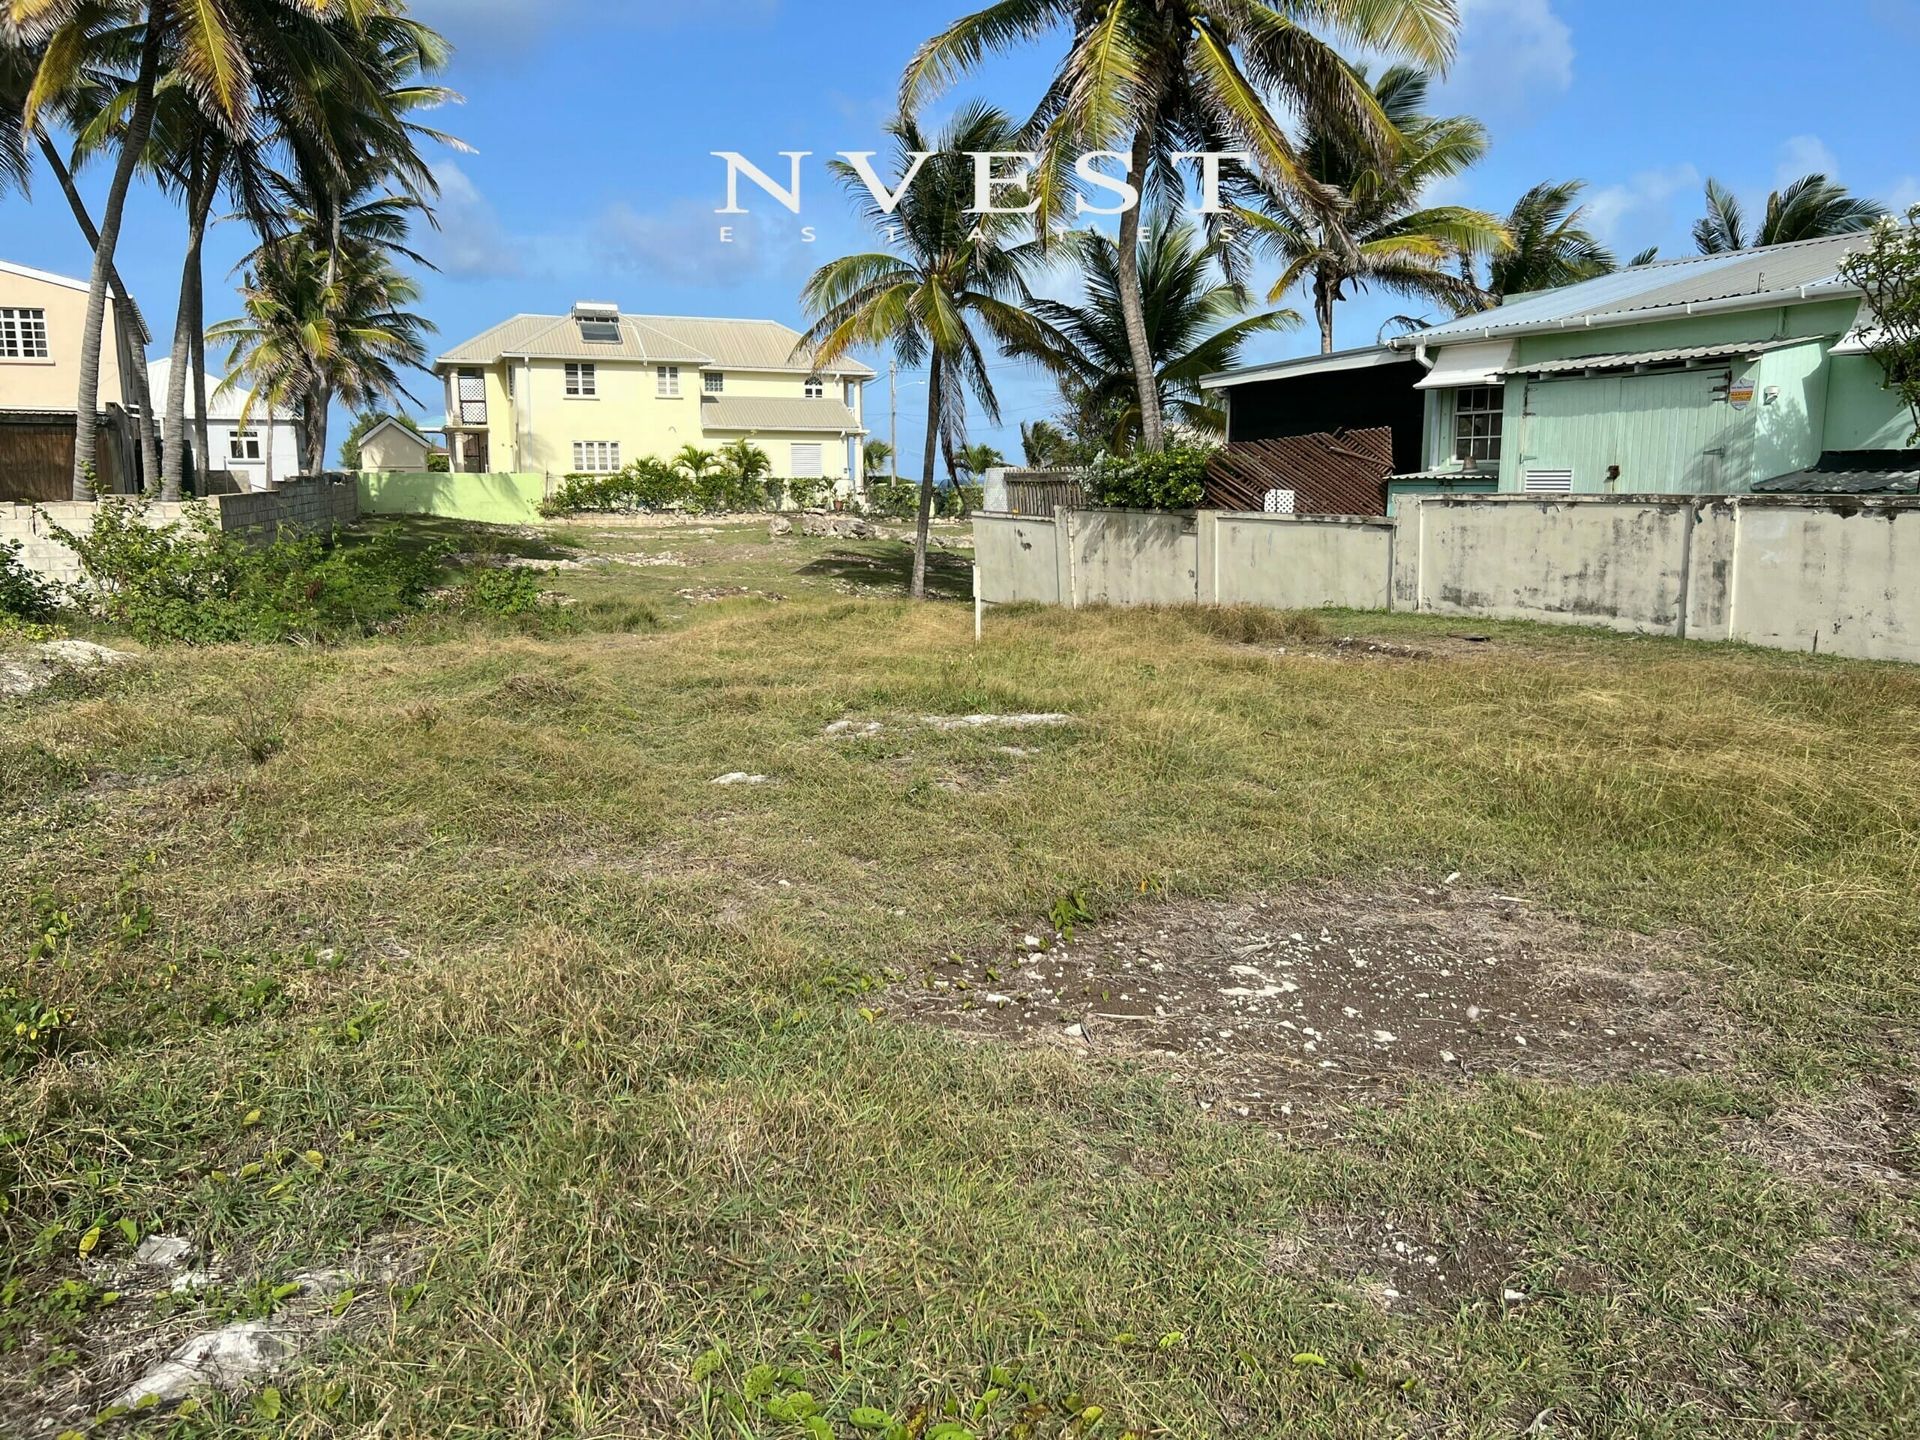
{"x":759,"y":413}
{"x":1360,"y":359}
{"x":650,"y":339}
{"x":1573,"y":364}
{"x":1852,"y":472}
{"x":1804,"y":269}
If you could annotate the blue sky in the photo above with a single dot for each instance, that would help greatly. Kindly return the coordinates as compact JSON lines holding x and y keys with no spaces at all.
{"x":592,"y":121}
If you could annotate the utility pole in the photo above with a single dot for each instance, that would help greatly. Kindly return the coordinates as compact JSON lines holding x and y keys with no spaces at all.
{"x":893,"y":420}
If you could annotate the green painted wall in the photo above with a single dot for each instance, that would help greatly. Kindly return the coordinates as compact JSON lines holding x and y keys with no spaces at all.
{"x":485,"y":499}
{"x":1398,"y":490}
{"x":1862,"y":414}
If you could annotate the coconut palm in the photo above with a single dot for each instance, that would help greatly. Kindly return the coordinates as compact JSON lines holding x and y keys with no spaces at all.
{"x":1551,"y":244}
{"x":327,"y":318}
{"x":949,"y":274}
{"x":975,"y":460}
{"x":878,"y":454}
{"x":1376,"y":234}
{"x":1155,"y":78}
{"x":1811,"y":207}
{"x":1197,"y":324}
{"x":694,"y":462}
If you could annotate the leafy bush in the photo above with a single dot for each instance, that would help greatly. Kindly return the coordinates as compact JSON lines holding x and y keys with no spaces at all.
{"x":893,"y":499}
{"x":193,"y":583}
{"x":646,"y":484}
{"x":959,"y":501}
{"x":1173,"y":480}
{"x":806,"y":493}
{"x":506,"y":593}
{"x":24,"y":595}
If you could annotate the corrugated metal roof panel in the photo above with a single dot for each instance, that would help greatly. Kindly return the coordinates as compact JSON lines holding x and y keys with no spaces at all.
{"x":1619,"y":361}
{"x":1852,"y":472}
{"x":1695,"y":279}
{"x":776,"y":413}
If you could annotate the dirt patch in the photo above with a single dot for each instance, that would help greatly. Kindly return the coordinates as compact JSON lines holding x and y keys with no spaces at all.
{"x":1863,"y":1138}
{"x":1286,"y":1008}
{"x":1403,"y":1262}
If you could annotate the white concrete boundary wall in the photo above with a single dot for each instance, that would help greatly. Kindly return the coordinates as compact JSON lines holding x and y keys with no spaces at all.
{"x":1826,"y":575}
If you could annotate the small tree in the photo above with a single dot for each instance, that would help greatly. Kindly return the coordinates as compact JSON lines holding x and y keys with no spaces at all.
{"x":1887,"y":268}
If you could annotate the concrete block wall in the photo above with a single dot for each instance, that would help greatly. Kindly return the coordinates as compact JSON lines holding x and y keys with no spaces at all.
{"x":1823,"y":575}
{"x":309,"y":505}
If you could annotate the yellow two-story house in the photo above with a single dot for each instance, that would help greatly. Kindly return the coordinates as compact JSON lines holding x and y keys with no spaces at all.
{"x":591,"y":391}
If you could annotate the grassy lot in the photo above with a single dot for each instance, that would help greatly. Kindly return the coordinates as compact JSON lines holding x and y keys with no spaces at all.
{"x":440,"y":960}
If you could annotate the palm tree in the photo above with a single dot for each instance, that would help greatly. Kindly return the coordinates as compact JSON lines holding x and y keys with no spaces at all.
{"x":1196,"y":325}
{"x":1551,"y":245}
{"x":327,"y":318}
{"x":878,"y":453}
{"x":1376,"y":234}
{"x":1045,"y":445}
{"x":89,"y":81}
{"x":976,"y":460}
{"x":1811,"y":207}
{"x":694,"y":462}
{"x":952,"y":272}
{"x":1155,"y":78}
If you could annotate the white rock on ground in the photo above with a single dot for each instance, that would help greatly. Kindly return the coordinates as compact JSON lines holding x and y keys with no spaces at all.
{"x":853,"y":729}
{"x":230,"y":1358}
{"x":163,"y":1252}
{"x":739,"y":777}
{"x":982,"y":722}
{"x":25,"y":674}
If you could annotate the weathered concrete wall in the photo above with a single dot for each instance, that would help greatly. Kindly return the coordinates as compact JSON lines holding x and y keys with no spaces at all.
{"x":1839,"y":577}
{"x":1018,"y":559}
{"x":1832,"y":579}
{"x":1302,"y":562}
{"x":1131,"y":557}
{"x":315,"y":505}
{"x":1621,"y":566}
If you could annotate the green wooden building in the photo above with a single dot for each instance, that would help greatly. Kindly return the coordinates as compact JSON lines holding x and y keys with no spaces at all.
{"x":1714,"y":374}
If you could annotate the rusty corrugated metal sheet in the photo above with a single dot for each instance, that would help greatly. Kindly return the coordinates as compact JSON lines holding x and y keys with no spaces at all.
{"x":1338,"y":473}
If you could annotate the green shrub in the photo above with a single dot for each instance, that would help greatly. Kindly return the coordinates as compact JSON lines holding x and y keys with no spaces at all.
{"x":1173,"y":480}
{"x":893,"y":499}
{"x":959,"y":501}
{"x":24,"y":595}
{"x":646,"y":484}
{"x":502,"y":592}
{"x":806,"y":493}
{"x":193,"y":583}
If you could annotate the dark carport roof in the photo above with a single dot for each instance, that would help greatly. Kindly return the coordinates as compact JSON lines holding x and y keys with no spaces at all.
{"x":1852,"y":472}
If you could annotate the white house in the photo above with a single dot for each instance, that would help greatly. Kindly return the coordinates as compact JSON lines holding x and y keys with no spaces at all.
{"x":265,"y":450}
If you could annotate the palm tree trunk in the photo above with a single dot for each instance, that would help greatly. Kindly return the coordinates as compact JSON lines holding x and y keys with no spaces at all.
{"x":173,"y":463}
{"x":925,"y":520}
{"x":197,"y":357}
{"x":87,"y":405}
{"x":1153,"y":434}
{"x":1323,"y":312}
{"x":126,"y":314}
{"x":319,"y":402}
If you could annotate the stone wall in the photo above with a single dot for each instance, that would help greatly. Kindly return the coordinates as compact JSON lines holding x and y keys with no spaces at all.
{"x":309,"y":506}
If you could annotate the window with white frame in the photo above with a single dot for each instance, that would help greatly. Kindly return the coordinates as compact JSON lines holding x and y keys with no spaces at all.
{"x":23,"y":335}
{"x":243,"y":447}
{"x":716,"y":383}
{"x":667,"y":382}
{"x":809,"y":462}
{"x":1478,"y":414}
{"x":583,"y":382}
{"x":596,"y":457}
{"x":816,"y":388}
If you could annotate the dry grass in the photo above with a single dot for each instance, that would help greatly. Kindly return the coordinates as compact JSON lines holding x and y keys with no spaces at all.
{"x":536,"y":993}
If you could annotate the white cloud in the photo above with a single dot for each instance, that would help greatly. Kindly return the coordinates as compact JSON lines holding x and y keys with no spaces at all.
{"x":1632,"y":215}
{"x":1804,"y":155}
{"x":680,"y":243}
{"x":1511,"y":51}
{"x":1905,"y":193}
{"x":471,"y":242}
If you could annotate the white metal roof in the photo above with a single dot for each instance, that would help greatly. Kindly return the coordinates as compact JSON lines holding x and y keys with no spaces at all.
{"x":759,"y":413}
{"x":1305,"y":365}
{"x":1742,"y":279}
{"x":713,"y":344}
{"x":220,"y":406}
{"x":1685,"y":354}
